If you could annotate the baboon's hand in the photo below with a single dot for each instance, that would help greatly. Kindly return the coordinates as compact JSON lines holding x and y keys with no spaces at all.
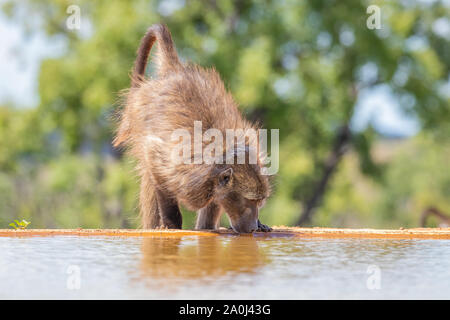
{"x":263,"y":227}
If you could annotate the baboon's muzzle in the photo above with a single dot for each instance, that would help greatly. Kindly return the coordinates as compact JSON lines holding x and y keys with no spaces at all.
{"x":246,"y":221}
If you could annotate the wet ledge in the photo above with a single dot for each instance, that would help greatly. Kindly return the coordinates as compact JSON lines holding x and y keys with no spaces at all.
{"x":285,"y":232}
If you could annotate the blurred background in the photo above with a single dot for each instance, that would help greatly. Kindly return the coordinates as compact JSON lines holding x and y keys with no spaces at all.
{"x":363,"y":111}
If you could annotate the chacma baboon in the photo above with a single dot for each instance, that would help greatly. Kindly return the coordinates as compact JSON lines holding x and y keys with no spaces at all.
{"x":154,"y":108}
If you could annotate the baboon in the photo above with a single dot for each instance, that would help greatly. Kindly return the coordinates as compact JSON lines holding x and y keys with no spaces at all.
{"x":179,"y":94}
{"x":432,"y":211}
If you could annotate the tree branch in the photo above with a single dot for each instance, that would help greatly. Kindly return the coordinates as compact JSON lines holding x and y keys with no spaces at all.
{"x":340,"y":147}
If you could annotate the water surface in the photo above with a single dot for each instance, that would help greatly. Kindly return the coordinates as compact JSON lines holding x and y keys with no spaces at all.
{"x":222,"y":267}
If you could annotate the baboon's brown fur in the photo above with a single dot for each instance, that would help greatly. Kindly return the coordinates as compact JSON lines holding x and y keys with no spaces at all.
{"x":179,"y":95}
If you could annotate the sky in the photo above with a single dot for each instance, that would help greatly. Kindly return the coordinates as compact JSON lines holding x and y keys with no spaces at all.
{"x":20,"y":58}
{"x":19,"y":70}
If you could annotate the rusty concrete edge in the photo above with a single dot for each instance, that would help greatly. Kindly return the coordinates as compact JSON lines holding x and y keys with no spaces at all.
{"x":281,"y":231}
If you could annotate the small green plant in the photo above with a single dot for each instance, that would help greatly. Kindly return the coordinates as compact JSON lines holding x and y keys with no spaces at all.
{"x":20,"y":224}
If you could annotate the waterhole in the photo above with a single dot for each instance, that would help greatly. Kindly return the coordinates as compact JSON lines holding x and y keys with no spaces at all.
{"x":222,"y":267}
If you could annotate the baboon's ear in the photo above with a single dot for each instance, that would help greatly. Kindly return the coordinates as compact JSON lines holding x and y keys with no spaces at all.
{"x":225,"y":176}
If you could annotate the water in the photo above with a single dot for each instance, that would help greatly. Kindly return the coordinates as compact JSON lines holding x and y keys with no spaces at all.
{"x":223,"y":267}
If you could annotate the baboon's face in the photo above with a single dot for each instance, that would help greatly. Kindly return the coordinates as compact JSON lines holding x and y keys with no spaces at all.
{"x":241,"y":193}
{"x":243,"y":213}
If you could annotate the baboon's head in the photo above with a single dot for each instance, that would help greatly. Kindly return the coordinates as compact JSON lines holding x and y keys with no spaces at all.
{"x":241,"y":190}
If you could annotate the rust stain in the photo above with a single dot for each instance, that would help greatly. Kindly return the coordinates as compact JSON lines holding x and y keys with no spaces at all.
{"x":284,"y":232}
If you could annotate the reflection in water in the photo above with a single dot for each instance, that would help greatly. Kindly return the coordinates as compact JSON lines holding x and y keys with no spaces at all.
{"x":200,"y":258}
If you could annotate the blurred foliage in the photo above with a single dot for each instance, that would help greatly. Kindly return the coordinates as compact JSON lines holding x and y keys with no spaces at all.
{"x":294,"y":65}
{"x":415,"y":176}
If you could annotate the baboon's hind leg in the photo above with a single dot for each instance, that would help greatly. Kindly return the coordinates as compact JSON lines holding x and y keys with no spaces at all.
{"x":148,"y":205}
{"x":169,"y":212}
{"x":209,"y":217}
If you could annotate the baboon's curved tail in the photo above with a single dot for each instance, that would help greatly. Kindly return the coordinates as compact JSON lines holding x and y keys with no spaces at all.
{"x":166,"y":57}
